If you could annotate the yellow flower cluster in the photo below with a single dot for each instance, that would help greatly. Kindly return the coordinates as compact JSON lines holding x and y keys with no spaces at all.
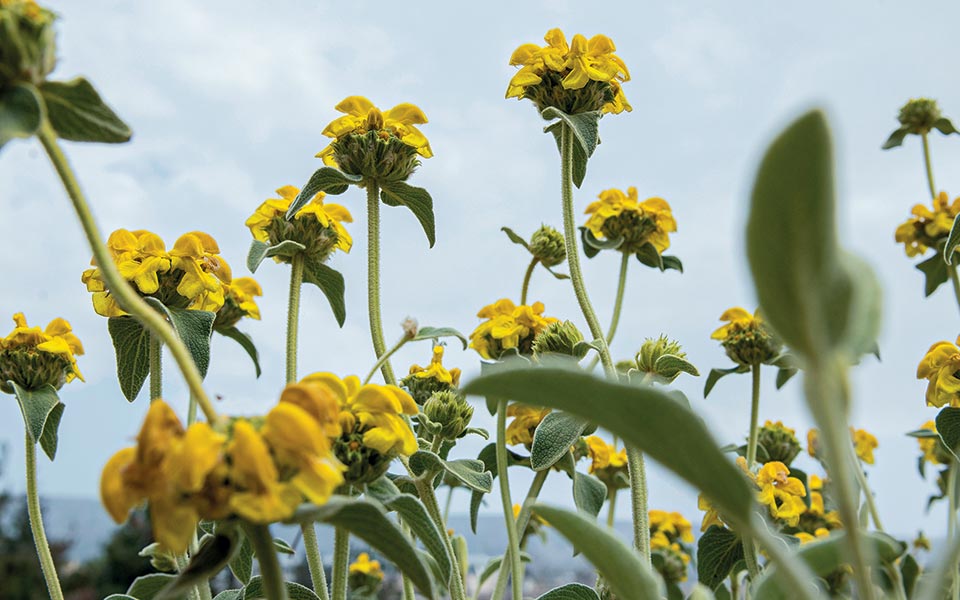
{"x":508,"y":326}
{"x":32,"y":357}
{"x":526,"y":418}
{"x":191,"y":275}
{"x":781,"y":494}
{"x":423,"y":382}
{"x":318,"y":226}
{"x":816,"y":522}
{"x":260,"y":470}
{"x":607,"y":463}
{"x":238,"y":302}
{"x":364,"y":566}
{"x":667,"y":528}
{"x":746,"y":338}
{"x":618,"y":215}
{"x":928,"y":227}
{"x":588,"y":68}
{"x":939,"y":367}
{"x":864,"y":443}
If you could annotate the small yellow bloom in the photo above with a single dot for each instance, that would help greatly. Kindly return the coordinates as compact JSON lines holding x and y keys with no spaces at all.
{"x":508,"y":326}
{"x":582,"y":76}
{"x":197,"y":255}
{"x":435,"y":370}
{"x":365,"y":566}
{"x":927,"y":227}
{"x":618,"y":215}
{"x":608,"y":463}
{"x":32,"y":357}
{"x":526,"y":418}
{"x":939,"y":367}
{"x":746,"y":338}
{"x":317,"y":225}
{"x":238,"y":302}
{"x":711,"y":514}
{"x":806,"y":538}
{"x":864,"y":443}
{"x":667,"y":528}
{"x":782,"y":494}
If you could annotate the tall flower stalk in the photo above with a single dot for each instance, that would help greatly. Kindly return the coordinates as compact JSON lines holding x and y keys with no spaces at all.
{"x":36,"y":522}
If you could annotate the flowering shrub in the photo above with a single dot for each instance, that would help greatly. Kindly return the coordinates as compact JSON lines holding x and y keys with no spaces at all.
{"x":367,"y":456}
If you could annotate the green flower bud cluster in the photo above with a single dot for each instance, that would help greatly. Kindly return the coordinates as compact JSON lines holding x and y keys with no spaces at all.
{"x":662,"y":360}
{"x":779,"y":442}
{"x":450,"y":413}
{"x":671,"y":564}
{"x":375,"y":155}
{"x":364,"y":464}
{"x":318,"y":240}
{"x":919,"y":115}
{"x":31,"y":369}
{"x":633,"y":227}
{"x":752,"y":344}
{"x":548,"y":246}
{"x":560,"y":338}
{"x":422,"y":388}
{"x":27,"y":42}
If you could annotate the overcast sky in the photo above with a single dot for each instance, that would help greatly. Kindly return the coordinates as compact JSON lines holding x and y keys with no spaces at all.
{"x":227,"y":101}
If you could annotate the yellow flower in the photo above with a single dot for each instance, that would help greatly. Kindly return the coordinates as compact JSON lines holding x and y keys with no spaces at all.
{"x":711,"y":514}
{"x":260,"y":497}
{"x":31,"y":357}
{"x":525,"y":421}
{"x":813,"y":443}
{"x":197,"y":255}
{"x":171,"y":469}
{"x":927,"y":227}
{"x":939,"y":367}
{"x":373,"y":411}
{"x":864,"y":443}
{"x":782,"y":494}
{"x":618,"y":215}
{"x":508,"y":326}
{"x":317,"y":226}
{"x":582,"y":76}
{"x":299,"y":443}
{"x":141,"y":257}
{"x":604,"y":455}
{"x":424,"y":382}
{"x":666,"y":528}
{"x":931,"y":447}
{"x":238,"y":302}
{"x":364,"y":566}
{"x":806,"y":538}
{"x":746,"y":338}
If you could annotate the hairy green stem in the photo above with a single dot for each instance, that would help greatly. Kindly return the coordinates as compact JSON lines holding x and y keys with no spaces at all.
{"x":36,"y":522}
{"x":182,"y":561}
{"x":271,"y":574}
{"x":447,"y":504}
{"x":341,"y":563}
{"x":618,"y":303}
{"x":373,"y":278}
{"x":155,"y":353}
{"x":638,"y":499}
{"x":429,"y":497}
{"x":408,"y":592}
{"x":293,"y":314}
{"x":526,"y":280}
{"x":526,"y":510}
{"x":311,"y":545}
{"x":513,"y":539}
{"x":128,"y":299}
{"x":927,"y":164}
{"x":383,"y":359}
{"x":611,"y":507}
{"x":754,"y":417}
{"x":573,"y":250}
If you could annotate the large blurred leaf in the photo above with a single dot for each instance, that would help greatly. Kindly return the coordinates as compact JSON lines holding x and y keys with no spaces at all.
{"x":629,"y":577}
{"x":571,"y":591}
{"x":641,"y":416}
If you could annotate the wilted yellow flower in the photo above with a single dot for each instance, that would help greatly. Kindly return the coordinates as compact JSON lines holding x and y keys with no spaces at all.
{"x":238,"y":302}
{"x":169,"y":467}
{"x":508,"y":326}
{"x":371,"y":418}
{"x":318,"y":226}
{"x":526,"y":418}
{"x":618,"y":215}
{"x":927,"y":227}
{"x":191,"y":275}
{"x":582,"y":76}
{"x":668,"y":528}
{"x":939,"y":367}
{"x":32,"y":357}
{"x":746,"y":338}
{"x":365,"y":566}
{"x":782,"y":494}
{"x":864,"y":443}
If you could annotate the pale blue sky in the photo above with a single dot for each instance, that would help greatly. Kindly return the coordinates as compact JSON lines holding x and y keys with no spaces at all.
{"x":227,"y":101}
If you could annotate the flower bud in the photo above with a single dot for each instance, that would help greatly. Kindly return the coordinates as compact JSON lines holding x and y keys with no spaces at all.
{"x":32,"y":357}
{"x":28,"y":44}
{"x":779,"y":442}
{"x":673,"y":564}
{"x":451,"y":412}
{"x":919,"y":115}
{"x":560,"y":338}
{"x":548,"y":246}
{"x":363,"y":463}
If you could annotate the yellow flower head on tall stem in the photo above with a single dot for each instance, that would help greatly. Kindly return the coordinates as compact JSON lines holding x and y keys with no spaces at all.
{"x":618,"y":215}
{"x":939,"y":367}
{"x":32,"y":357}
{"x":508,"y":326}
{"x":526,"y":418}
{"x":377,"y":144}
{"x":746,"y":338}
{"x":584,"y":75}
{"x":928,"y":226}
{"x":781,"y":494}
{"x":607,"y":463}
{"x":318,"y":226}
{"x":424,"y":382}
{"x":372,"y":422}
{"x":239,"y":301}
